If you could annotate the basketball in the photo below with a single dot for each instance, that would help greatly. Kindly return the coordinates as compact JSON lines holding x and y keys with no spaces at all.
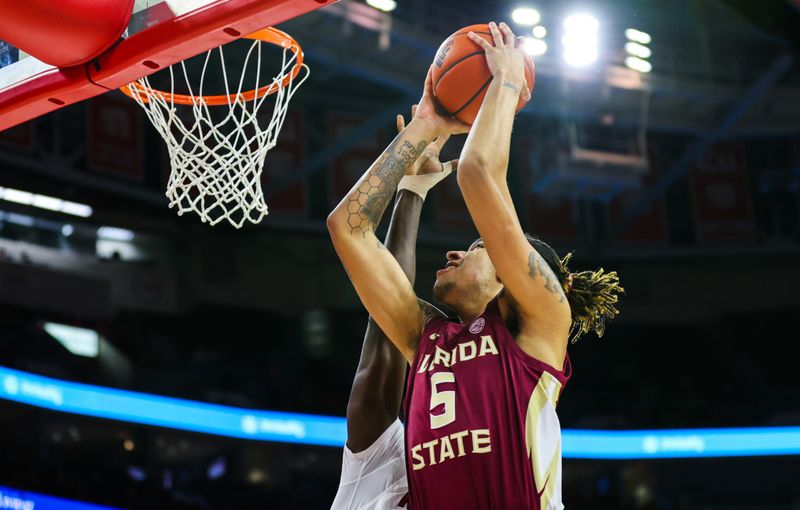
{"x":461,"y":76}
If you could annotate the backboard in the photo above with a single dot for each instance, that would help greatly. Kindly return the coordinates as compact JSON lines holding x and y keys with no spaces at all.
{"x":160,"y":33}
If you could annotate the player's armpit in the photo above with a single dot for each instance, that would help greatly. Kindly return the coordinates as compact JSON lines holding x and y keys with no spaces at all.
{"x":428,"y":312}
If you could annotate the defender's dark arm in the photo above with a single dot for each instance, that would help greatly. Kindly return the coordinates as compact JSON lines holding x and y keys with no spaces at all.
{"x":378,"y":385}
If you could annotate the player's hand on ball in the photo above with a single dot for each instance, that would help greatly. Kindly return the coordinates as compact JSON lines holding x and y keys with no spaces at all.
{"x":428,"y":162}
{"x":443,"y":123}
{"x":506,"y":59}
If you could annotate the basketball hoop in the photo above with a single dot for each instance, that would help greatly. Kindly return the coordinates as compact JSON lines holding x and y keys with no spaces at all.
{"x":217,"y":159}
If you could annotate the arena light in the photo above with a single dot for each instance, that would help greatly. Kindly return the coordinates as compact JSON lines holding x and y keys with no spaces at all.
{"x":79,"y":341}
{"x":539,"y":32}
{"x":76,"y":209}
{"x":67,"y":230}
{"x":581,"y":23}
{"x":217,"y":469}
{"x":535,"y":47}
{"x":637,"y":36}
{"x":638,"y":50}
{"x":526,"y":16}
{"x":115,"y":234}
{"x":637,"y":64}
{"x":46,"y":202}
{"x":580,"y":57}
{"x":17,"y":196}
{"x":383,"y":5}
{"x":580,"y":40}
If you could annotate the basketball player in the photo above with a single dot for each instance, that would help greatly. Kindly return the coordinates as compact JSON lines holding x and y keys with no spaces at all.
{"x":373,"y":463}
{"x":481,"y":426}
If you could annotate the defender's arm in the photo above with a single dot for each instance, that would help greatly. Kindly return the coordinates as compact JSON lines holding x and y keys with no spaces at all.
{"x":378,"y":385}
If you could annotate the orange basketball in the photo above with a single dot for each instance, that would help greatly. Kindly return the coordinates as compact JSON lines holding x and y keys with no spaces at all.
{"x":460,"y":74}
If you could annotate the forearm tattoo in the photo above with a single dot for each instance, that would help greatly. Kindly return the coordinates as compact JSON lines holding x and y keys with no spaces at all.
{"x":511,"y":86}
{"x":538,"y":267}
{"x":367,"y":203}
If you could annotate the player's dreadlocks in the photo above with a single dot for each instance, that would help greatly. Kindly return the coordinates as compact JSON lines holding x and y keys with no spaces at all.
{"x":592,"y":295}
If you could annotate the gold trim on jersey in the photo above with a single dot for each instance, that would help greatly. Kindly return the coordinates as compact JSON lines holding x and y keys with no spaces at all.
{"x":543,"y":440}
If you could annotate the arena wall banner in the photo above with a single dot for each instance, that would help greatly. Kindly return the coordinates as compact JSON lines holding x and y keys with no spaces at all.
{"x":180,"y":414}
{"x":721,"y":194}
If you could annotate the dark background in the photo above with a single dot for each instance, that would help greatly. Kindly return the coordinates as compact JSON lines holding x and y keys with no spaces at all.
{"x":706,"y":239}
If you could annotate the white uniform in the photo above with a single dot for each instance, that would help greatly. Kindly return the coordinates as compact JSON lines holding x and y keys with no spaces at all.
{"x":374,"y":479}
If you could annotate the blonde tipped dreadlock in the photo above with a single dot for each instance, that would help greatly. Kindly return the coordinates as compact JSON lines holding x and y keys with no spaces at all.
{"x":592,"y":295}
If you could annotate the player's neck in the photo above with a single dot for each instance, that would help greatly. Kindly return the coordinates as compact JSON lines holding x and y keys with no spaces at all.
{"x":468,"y":311}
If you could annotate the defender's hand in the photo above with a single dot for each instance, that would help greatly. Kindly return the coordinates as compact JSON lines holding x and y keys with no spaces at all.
{"x":428,"y":162}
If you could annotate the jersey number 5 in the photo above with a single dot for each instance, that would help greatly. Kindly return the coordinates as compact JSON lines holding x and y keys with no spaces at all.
{"x":447,"y":397}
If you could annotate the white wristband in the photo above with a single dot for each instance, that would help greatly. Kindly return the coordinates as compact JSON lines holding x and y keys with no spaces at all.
{"x":421,"y":184}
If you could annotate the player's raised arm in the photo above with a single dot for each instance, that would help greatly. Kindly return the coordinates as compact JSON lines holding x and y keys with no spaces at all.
{"x":377,"y":277}
{"x":378,"y":384}
{"x":482,"y":179}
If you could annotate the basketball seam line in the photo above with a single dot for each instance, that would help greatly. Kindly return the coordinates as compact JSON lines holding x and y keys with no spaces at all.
{"x":474,"y":95}
{"x":447,"y":70}
{"x":474,"y":32}
{"x":451,"y":66}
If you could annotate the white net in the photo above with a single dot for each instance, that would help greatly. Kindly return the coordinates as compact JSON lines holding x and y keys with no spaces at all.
{"x":217,"y":153}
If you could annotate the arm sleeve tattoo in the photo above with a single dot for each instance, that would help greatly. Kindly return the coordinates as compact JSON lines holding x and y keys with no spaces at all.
{"x":368,"y":201}
{"x":538,"y":267}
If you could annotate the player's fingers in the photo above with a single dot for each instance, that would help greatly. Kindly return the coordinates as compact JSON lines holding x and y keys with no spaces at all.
{"x":496,"y":34}
{"x":526,"y":94}
{"x":429,"y":81}
{"x":508,"y":35}
{"x":520,"y":42}
{"x":480,"y":41}
{"x":401,"y":123}
{"x":413,"y":111}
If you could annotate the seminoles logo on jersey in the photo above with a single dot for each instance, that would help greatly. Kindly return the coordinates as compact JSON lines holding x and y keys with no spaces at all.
{"x":477,"y":325}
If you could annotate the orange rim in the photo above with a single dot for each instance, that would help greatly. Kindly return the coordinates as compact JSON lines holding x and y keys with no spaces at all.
{"x":268,"y":35}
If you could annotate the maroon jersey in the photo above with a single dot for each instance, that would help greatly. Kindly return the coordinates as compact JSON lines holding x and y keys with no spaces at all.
{"x":481,"y":426}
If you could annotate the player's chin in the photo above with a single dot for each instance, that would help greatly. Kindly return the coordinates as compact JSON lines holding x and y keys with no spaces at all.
{"x":441,"y":290}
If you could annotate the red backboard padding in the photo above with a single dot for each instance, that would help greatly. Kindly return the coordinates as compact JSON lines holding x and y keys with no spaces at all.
{"x":64,"y":33}
{"x":141,"y":54}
